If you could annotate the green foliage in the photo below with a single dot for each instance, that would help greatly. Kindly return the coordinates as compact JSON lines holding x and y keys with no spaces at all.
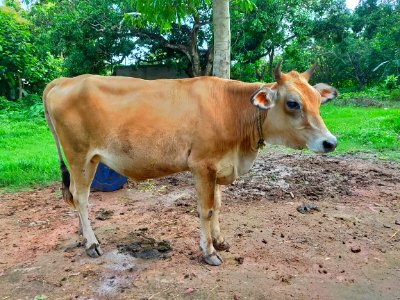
{"x":368,"y":50}
{"x":376,"y":96}
{"x":28,"y":107}
{"x":271,"y":26}
{"x":24,"y":67}
{"x":165,"y":14}
{"x":358,"y":48}
{"x":391,"y":82}
{"x":90,"y":35}
{"x":7,"y":105}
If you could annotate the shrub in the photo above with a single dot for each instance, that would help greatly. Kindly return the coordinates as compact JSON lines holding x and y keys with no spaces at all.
{"x":30,"y":100}
{"x":391,"y":82}
{"x":6,"y":105}
{"x":27,"y":107}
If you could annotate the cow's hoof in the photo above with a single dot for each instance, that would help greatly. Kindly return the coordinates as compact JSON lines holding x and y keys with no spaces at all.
{"x":213,"y":259}
{"x":221,"y":246}
{"x":94,"y":251}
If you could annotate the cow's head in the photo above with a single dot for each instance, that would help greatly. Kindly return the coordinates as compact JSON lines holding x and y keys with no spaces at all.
{"x":293,"y":117}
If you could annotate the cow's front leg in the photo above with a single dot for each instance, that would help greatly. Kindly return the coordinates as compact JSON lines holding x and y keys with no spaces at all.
{"x":205,"y":185}
{"x":218,"y":240}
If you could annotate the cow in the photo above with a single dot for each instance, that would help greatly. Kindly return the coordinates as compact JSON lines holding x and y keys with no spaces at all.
{"x":209,"y":126}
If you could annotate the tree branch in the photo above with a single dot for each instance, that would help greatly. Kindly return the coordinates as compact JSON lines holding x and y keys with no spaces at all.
{"x":165,"y":43}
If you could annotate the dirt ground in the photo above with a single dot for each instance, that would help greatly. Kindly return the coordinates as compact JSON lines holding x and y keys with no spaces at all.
{"x":347,"y":249}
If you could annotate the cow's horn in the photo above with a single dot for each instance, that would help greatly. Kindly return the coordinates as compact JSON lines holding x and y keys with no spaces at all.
{"x":278,"y":74}
{"x":310,"y":71}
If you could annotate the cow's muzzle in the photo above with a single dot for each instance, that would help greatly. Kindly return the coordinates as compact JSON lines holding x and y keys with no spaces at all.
{"x":330,"y":144}
{"x":324,"y":144}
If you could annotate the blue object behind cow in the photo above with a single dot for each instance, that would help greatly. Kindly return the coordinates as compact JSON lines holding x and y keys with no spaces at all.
{"x":107,"y":180}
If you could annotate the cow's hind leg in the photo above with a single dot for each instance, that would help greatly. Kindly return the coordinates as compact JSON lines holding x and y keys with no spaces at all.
{"x":81,"y":178}
{"x":218,"y":240}
{"x":205,"y":185}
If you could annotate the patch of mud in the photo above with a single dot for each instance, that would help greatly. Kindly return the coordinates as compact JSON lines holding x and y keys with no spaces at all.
{"x":142,"y":246}
{"x":310,"y":177}
{"x":104,"y":214}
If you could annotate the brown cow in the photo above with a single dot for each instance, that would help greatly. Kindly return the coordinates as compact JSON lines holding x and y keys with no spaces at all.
{"x":210,"y":126}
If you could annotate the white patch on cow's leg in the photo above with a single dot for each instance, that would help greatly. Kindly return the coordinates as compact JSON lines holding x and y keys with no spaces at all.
{"x":72,"y":189}
{"x":218,"y":240}
{"x":80,"y":191}
{"x":205,"y":185}
{"x":81,"y":202}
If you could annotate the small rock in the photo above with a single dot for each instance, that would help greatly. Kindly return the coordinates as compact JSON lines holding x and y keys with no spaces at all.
{"x":387,"y":226}
{"x":307,"y":208}
{"x":189,"y":276}
{"x":264,"y":241}
{"x":69,"y":254}
{"x":239,"y":260}
{"x":355,"y":249}
{"x":38,"y":223}
{"x":397,"y":222}
{"x":236,"y":297}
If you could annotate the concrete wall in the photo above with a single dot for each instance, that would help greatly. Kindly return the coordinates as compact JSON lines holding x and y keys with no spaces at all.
{"x":149,"y":72}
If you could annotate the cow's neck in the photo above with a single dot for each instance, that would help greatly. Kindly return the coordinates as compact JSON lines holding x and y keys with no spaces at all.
{"x":260,"y":121}
{"x":246,"y":118}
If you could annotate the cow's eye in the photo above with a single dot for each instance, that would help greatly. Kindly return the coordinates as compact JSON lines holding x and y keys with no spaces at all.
{"x":293,"y":105}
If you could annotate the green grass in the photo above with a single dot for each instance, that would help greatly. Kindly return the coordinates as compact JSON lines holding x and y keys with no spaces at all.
{"x":368,"y":131}
{"x":28,"y":156}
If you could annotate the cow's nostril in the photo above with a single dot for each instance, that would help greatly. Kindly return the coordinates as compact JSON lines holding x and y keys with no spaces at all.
{"x":329,"y":146}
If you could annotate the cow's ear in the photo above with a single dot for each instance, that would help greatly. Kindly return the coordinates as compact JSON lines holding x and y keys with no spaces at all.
{"x":327,"y":92}
{"x":263,"y":98}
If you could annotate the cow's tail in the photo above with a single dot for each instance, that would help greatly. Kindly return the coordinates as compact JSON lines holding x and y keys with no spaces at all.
{"x":66,"y":179}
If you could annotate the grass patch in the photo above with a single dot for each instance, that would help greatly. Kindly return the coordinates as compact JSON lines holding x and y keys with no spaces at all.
{"x":28,"y":156}
{"x":373,"y":131}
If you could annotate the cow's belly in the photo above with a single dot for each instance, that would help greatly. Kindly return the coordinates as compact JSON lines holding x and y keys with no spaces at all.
{"x":233,"y":165}
{"x":145,"y":162}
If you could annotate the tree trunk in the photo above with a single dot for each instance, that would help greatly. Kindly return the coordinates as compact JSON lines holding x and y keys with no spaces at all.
{"x":222,"y":39}
{"x":271,"y":63}
{"x":20,"y":87}
{"x":209,"y":62}
{"x":193,"y":48}
{"x":357,"y":71}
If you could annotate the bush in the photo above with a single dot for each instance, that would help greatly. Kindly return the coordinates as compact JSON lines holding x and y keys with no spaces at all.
{"x":30,"y":100}
{"x":30,"y":106}
{"x":6,"y":105}
{"x":36,"y":110}
{"x":376,"y":96}
{"x":391,"y":82}
{"x":395,"y":95}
